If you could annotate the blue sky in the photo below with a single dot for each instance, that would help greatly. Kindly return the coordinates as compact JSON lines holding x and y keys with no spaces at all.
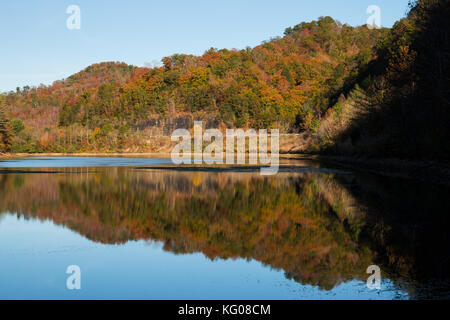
{"x":37,"y":47}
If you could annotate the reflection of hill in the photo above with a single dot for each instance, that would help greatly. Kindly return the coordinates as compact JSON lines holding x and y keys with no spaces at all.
{"x":320,"y":229}
{"x":283,"y":222}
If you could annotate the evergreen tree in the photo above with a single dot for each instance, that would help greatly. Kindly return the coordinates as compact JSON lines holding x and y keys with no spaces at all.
{"x":5,"y":134}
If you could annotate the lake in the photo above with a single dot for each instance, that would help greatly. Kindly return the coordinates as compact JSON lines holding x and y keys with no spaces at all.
{"x":138,"y":228}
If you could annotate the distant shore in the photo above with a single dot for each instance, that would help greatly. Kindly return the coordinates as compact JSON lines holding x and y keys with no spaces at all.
{"x":118,"y":154}
{"x":85,"y":154}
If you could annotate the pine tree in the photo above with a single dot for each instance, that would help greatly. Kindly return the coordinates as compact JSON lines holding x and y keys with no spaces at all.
{"x":5,"y":134}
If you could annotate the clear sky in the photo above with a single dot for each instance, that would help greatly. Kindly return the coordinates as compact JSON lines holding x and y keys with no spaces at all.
{"x":37,"y":47}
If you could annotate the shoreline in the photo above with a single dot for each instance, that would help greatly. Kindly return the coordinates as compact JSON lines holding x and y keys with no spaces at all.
{"x":118,"y":154}
{"x":84,"y":154}
{"x":429,"y":171}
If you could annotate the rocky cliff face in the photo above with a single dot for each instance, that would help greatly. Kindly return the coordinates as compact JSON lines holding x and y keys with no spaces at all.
{"x":165,"y":126}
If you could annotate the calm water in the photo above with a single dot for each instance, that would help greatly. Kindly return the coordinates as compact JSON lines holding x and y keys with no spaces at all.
{"x":140,"y":232}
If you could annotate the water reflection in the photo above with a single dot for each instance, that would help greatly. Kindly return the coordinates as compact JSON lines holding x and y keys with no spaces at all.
{"x":321,"y":229}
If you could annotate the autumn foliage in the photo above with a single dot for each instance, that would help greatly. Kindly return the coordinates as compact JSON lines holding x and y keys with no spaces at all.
{"x":287,"y":82}
{"x":346,"y":90}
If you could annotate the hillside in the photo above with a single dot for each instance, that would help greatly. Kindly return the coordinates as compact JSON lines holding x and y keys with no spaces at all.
{"x":402,"y":107}
{"x":34,"y":112}
{"x":287,"y":83}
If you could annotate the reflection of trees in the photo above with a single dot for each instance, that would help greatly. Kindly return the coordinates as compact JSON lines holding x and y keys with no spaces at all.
{"x":318,"y":228}
{"x":407,"y":225}
{"x":283,"y":222}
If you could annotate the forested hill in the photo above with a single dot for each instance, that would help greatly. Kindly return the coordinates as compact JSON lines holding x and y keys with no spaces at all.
{"x":402,"y":108}
{"x":287,"y":82}
{"x":38,"y":109}
{"x":347,"y":90}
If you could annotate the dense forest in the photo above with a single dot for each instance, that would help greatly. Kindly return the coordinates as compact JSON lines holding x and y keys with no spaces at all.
{"x":346,"y":90}
{"x":402,"y":108}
